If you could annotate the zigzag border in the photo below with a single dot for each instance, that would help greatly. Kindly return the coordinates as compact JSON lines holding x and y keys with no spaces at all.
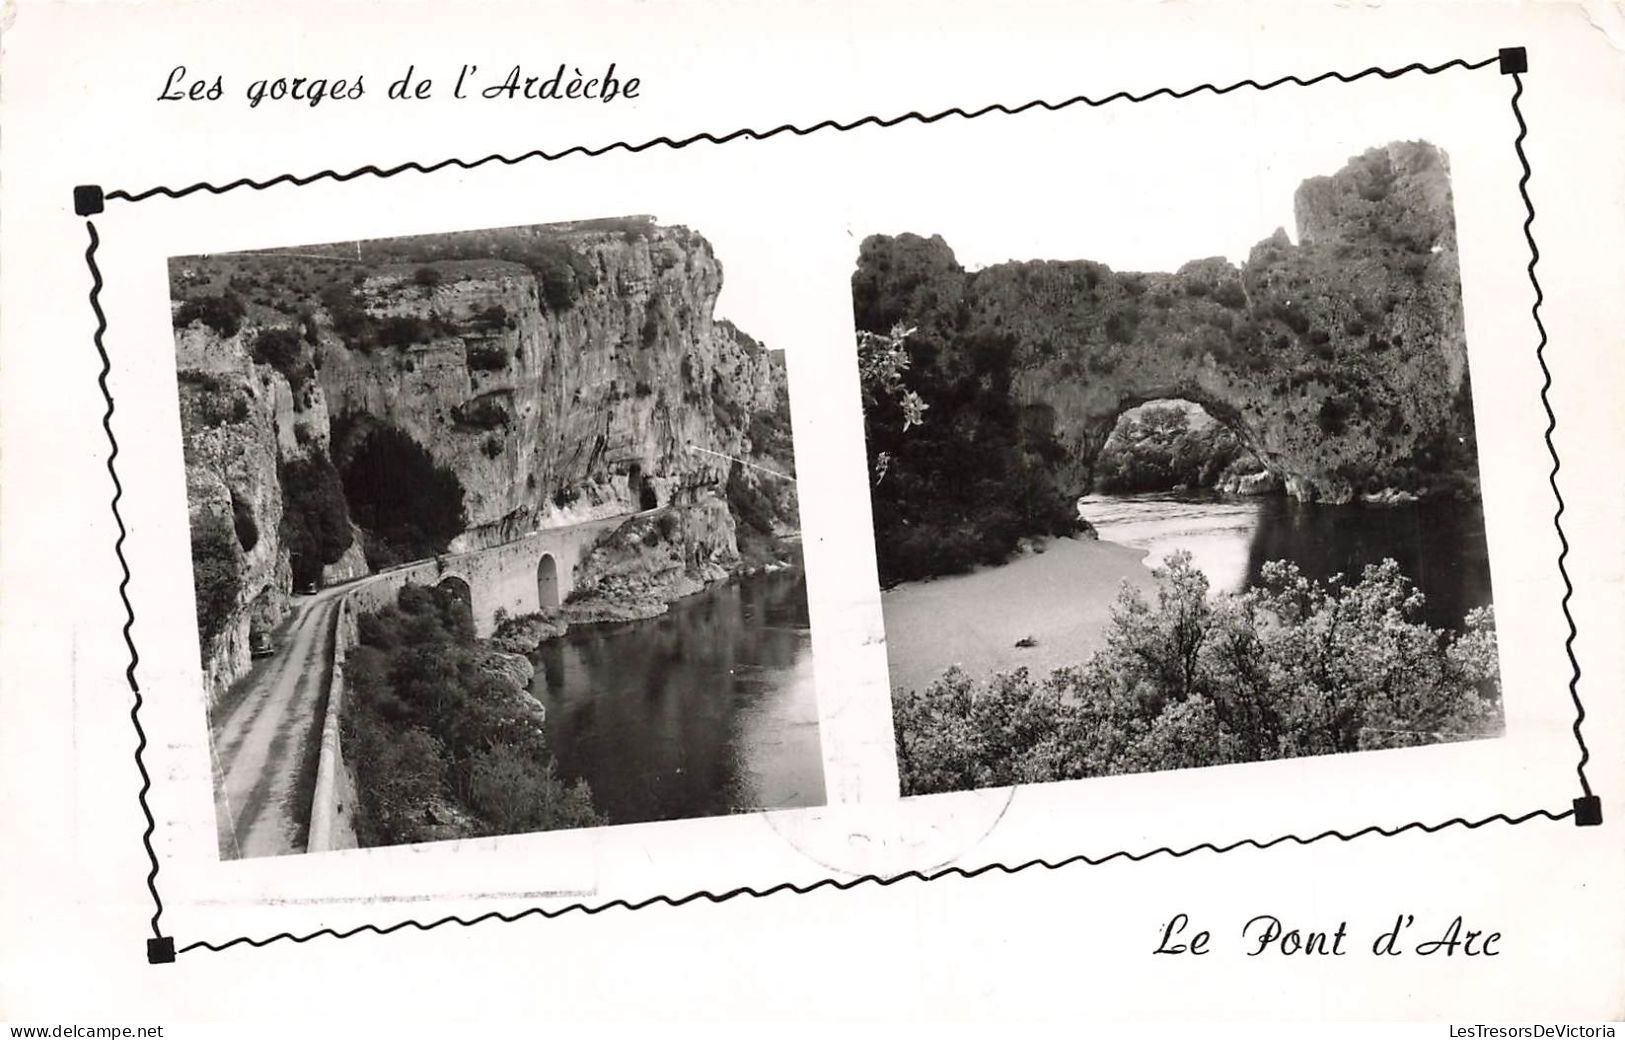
{"x":89,"y":199}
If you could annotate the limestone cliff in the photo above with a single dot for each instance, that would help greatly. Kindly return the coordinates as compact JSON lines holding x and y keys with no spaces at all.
{"x":1339,"y":361}
{"x":557,"y":374}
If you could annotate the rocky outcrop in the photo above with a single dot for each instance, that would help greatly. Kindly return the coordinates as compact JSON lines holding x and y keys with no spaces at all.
{"x":515,"y":670}
{"x":1340,"y":361}
{"x":233,"y":417}
{"x":635,"y":571}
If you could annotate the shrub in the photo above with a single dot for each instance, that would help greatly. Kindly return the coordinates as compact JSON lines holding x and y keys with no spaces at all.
{"x":403,"y":330}
{"x":216,"y":575}
{"x":1292,"y":667}
{"x":427,"y":277}
{"x":515,"y":793}
{"x":1232,"y":295}
{"x":493,"y":318}
{"x":487,"y":357}
{"x":277,"y":346}
{"x":430,"y":727}
{"x":482,"y":413}
{"x":223,"y":313}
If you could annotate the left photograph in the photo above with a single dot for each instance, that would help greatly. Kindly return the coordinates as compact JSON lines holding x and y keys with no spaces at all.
{"x":492,"y":532}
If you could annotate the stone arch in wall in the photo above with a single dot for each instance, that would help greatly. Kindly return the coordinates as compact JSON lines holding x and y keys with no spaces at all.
{"x":547,"y":582}
{"x":458,"y":587}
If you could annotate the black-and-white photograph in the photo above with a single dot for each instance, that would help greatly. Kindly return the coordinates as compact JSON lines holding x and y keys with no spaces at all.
{"x":1223,"y":512}
{"x":492,"y":532}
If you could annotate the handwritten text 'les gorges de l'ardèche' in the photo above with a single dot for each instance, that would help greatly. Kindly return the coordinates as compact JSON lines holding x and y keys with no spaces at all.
{"x":564,"y":83}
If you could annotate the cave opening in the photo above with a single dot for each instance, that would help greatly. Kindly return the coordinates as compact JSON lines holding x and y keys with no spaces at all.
{"x":1172,"y":444}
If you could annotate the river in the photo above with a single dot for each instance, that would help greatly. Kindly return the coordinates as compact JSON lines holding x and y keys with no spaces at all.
{"x":1438,"y":545}
{"x":707,"y":710}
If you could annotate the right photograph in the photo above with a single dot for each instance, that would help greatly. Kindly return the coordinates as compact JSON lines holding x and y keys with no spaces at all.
{"x":1130,"y":521}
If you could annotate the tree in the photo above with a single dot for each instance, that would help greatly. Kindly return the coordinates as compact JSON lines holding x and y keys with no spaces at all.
{"x":315,"y":519}
{"x":516,"y":794}
{"x":216,"y":574}
{"x":223,"y":313}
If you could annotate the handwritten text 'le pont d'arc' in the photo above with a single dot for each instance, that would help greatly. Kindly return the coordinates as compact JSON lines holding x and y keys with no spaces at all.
{"x":1266,"y":935}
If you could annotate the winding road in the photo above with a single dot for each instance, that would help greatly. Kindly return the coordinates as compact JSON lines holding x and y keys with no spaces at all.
{"x":266,"y":734}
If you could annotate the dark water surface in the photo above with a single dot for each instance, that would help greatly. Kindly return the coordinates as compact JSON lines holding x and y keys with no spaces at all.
{"x":708,"y":709}
{"x":1438,"y":545}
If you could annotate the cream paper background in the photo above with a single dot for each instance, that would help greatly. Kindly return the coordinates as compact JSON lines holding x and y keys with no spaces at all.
{"x":77,"y":107}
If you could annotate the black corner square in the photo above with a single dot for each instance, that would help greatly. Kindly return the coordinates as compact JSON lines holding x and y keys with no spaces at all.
{"x":1514,"y":59}
{"x":161,"y":950}
{"x":1588,"y":811}
{"x":87,"y":199}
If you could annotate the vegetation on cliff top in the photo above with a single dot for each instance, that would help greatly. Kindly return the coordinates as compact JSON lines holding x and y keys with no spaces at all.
{"x":1291,"y":668}
{"x":441,"y":745}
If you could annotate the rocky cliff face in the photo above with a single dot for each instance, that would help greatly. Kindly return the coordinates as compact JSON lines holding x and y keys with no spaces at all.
{"x":563,"y":373}
{"x":1340,"y":361}
{"x":551,"y":416}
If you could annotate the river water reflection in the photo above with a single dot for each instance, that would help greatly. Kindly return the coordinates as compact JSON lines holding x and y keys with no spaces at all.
{"x":1438,"y":545}
{"x":708,"y":709}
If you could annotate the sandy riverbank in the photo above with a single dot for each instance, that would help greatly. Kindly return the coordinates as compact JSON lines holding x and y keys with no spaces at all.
{"x":1061,"y":597}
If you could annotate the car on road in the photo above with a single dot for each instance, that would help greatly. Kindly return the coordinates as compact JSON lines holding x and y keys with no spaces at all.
{"x":260,"y":644}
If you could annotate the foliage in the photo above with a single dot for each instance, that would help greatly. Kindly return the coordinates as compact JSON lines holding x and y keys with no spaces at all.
{"x":223,"y":313}
{"x":427,"y":277}
{"x":315,"y":520}
{"x":516,"y":793}
{"x":429,"y":727}
{"x":283,"y":349}
{"x":961,"y":484}
{"x":216,"y":574}
{"x":214,"y":401}
{"x":1292,"y":667}
{"x":1155,"y":448}
{"x":481,"y":413}
{"x":396,"y":491}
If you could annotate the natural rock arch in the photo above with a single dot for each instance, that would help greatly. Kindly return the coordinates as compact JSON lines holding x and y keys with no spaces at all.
{"x":1340,"y":361}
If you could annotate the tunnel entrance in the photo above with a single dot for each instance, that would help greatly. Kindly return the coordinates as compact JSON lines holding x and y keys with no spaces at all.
{"x":643,"y":492}
{"x":547,"y":582}
{"x":1170,"y":444}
